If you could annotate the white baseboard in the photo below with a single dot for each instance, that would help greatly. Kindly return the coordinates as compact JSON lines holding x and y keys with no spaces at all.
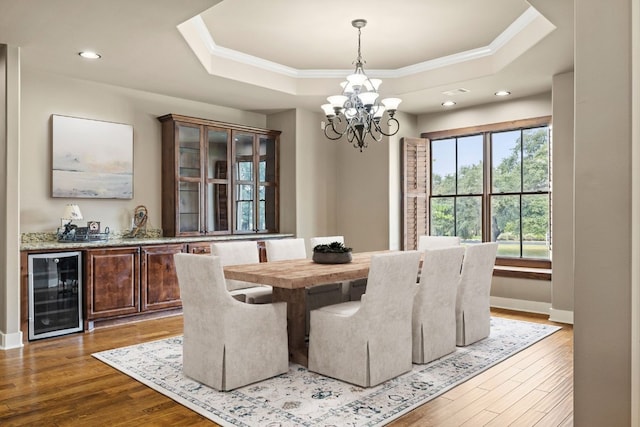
{"x":555,"y":315}
{"x":8,"y":341}
{"x":561,"y":316}
{"x":521,"y":305}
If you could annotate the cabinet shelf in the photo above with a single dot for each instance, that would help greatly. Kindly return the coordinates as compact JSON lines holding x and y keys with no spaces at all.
{"x":190,"y":151}
{"x":52,"y":292}
{"x":51,"y":313}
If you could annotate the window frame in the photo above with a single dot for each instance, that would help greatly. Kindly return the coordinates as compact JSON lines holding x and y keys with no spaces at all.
{"x":486,"y":131}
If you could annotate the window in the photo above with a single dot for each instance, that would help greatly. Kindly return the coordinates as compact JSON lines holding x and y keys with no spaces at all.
{"x":488,"y":183}
{"x":456,"y":187}
{"x":519,"y":197}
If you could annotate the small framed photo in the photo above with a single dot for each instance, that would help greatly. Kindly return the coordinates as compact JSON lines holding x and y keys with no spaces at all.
{"x":93,"y":227}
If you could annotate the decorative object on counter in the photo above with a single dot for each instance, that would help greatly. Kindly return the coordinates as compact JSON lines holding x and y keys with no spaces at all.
{"x":31,"y":240}
{"x":332,"y":253}
{"x":140,"y":216}
{"x":93,"y":227}
{"x":91,"y":158}
{"x":82,"y":234}
{"x":70,"y":213}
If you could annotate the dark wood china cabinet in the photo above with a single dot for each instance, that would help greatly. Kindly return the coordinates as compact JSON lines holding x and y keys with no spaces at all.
{"x":218,"y":178}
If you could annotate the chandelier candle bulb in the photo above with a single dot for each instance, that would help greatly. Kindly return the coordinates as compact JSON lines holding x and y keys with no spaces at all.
{"x":357,"y":111}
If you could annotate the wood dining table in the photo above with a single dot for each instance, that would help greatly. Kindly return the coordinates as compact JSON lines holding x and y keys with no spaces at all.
{"x":289,"y":279}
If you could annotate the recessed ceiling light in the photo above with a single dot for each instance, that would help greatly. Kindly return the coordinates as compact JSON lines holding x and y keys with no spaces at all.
{"x":502,"y":93}
{"x":89,"y":55}
{"x":448,"y":103}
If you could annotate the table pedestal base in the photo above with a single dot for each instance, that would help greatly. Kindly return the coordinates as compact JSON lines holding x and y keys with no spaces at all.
{"x":296,"y":322}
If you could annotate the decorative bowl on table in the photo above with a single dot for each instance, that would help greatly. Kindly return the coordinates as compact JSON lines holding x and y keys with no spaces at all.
{"x":332,"y":253}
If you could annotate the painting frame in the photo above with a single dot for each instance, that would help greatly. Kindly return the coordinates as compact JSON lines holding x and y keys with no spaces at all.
{"x":91,"y":158}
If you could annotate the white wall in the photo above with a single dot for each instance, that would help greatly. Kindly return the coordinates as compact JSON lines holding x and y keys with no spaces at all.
{"x":562,"y":197}
{"x":308,"y":175}
{"x":44,"y":94}
{"x":286,"y":123}
{"x":316,"y":179}
{"x":500,"y":111}
{"x":635,"y":225}
{"x":363,"y":195}
{"x":603,"y":221}
{"x":10,"y":335}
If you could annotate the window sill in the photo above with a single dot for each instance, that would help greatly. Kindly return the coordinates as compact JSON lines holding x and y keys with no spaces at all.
{"x":522,"y":272}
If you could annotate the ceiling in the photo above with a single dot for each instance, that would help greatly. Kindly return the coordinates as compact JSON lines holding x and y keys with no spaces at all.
{"x":268,"y":56}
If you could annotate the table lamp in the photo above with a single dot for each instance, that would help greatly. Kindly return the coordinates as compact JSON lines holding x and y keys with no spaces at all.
{"x":71,"y":212}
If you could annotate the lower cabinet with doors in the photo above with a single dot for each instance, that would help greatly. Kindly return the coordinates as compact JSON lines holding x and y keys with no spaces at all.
{"x":112,"y":283}
{"x":158,"y":280}
{"x":127,"y":281}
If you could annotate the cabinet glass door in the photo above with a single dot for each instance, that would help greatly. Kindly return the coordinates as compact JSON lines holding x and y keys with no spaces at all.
{"x":189,"y":207}
{"x":189,"y":140}
{"x":244,"y":182}
{"x":189,"y":179}
{"x":267,"y":184}
{"x":217,"y":196}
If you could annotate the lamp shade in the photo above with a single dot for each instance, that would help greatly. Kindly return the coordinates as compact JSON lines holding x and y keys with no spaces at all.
{"x":72,"y":212}
{"x":328,"y":110}
{"x":337,"y":101}
{"x":391,"y":103}
{"x":368,"y":98}
{"x":372,"y":84}
{"x":356,"y":79}
{"x":378,"y":111}
{"x":347,"y":88}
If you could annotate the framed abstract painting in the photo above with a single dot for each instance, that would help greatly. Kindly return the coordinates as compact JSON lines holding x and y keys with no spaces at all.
{"x":91,"y":159}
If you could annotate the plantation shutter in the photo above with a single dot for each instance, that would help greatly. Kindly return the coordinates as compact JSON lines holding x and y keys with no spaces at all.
{"x":415,"y":189}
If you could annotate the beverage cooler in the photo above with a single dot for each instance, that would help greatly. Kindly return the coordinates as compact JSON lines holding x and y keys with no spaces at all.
{"x":55,"y":294}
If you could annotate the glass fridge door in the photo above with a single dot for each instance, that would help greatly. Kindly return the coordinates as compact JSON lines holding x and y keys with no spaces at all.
{"x":55,"y":294}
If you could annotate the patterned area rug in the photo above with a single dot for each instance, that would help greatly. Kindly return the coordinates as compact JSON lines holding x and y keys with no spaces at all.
{"x":303,"y":398}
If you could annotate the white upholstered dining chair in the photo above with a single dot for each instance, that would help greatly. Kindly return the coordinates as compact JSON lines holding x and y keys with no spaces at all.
{"x":433,"y":242}
{"x":242,"y":252}
{"x":330,"y":293}
{"x":223,"y":336}
{"x":436,"y":242}
{"x":368,"y":342}
{"x":473,"y":313}
{"x":434,"y":306}
{"x":284,"y":249}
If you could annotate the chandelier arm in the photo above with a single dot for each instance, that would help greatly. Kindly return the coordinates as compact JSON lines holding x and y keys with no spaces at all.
{"x":376,"y":133}
{"x":335,"y":134}
{"x":393,"y":123}
{"x":331,"y":137}
{"x":350,"y":135}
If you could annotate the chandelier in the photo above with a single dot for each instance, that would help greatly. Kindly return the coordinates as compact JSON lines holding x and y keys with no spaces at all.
{"x":357,"y":112}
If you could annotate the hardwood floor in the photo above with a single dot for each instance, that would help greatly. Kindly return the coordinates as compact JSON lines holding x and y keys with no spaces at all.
{"x":56,"y":382}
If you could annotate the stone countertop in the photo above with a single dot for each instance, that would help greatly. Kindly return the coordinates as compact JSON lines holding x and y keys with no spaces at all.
{"x":124,"y":241}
